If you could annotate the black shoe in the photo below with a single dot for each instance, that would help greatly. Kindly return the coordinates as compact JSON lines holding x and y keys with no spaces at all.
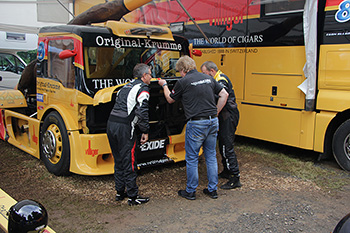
{"x":212,"y":194}
{"x":232,"y":183}
{"x":120,"y":196}
{"x":138,"y":200}
{"x":185,"y":194}
{"x":224,"y":174}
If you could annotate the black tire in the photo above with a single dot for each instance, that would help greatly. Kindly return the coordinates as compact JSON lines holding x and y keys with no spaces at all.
{"x":341,"y":145}
{"x":54,"y":146}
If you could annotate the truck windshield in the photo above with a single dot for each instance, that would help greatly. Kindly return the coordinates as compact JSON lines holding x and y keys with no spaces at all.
{"x":118,"y":63}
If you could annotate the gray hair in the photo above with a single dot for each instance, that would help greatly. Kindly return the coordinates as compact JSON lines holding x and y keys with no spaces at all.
{"x":140,"y":69}
{"x":185,"y":63}
{"x":210,"y":65}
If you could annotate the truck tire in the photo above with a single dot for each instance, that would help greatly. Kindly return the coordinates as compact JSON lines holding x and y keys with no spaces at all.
{"x":54,"y":146}
{"x":341,"y":145}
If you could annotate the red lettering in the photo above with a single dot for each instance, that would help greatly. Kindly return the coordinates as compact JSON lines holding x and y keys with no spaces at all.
{"x":34,"y":138}
{"x":90,"y":151}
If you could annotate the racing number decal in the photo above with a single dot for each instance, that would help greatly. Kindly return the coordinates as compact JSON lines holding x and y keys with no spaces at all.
{"x":343,"y":14}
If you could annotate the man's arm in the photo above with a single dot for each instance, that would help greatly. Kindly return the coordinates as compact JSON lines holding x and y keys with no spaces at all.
{"x":166,"y":90}
{"x":222,"y":99}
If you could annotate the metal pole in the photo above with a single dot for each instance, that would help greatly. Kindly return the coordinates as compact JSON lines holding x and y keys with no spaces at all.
{"x":194,"y":22}
{"x":65,"y":8}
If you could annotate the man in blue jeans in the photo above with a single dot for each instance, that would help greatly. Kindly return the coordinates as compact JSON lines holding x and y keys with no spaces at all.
{"x":197,"y":92}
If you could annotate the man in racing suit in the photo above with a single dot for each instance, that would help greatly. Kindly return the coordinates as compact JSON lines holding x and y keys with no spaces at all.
{"x":228,"y":121}
{"x":129,"y":115}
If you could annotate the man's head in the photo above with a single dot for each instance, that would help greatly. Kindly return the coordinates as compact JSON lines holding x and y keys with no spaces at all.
{"x":143,"y":72}
{"x":185,"y":64}
{"x":209,"y":68}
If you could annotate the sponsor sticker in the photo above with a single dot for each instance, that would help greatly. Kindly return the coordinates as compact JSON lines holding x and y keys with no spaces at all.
{"x":40,"y":97}
{"x":343,"y":14}
{"x":153,"y":145}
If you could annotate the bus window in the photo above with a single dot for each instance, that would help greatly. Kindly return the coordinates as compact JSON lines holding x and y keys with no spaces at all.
{"x":61,"y":70}
{"x":270,"y":7}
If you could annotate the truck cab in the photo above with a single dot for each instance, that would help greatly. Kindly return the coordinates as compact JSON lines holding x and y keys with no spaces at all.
{"x":78,"y":73}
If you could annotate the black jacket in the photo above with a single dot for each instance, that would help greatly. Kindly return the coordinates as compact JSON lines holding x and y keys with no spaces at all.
{"x":131,"y":105}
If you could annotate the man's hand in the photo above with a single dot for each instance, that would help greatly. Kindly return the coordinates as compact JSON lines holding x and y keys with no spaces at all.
{"x":161,"y":82}
{"x":144,"y":138}
{"x":164,"y":84}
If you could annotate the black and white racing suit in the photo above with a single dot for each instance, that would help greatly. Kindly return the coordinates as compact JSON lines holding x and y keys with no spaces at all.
{"x":228,"y":121}
{"x":130,"y":111}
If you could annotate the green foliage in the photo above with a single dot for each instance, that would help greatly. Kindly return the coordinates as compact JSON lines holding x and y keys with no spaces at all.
{"x":28,"y":56}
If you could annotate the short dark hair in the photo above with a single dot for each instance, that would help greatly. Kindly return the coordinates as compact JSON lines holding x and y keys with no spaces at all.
{"x":210,"y":65}
{"x":140,"y":69}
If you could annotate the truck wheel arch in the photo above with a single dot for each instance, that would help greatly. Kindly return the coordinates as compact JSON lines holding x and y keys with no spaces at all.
{"x":55,"y":144}
{"x":341,"y":145}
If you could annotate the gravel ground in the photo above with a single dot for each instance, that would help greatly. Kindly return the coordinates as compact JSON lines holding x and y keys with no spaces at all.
{"x":269,"y":200}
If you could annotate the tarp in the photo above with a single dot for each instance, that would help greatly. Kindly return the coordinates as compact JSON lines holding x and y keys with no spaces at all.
{"x":310,"y":38}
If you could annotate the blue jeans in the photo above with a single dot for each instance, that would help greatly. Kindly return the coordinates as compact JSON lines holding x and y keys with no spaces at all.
{"x":201,"y":133}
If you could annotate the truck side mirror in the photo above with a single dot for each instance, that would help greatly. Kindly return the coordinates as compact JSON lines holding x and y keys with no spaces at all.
{"x":67,"y":54}
{"x":197,"y":53}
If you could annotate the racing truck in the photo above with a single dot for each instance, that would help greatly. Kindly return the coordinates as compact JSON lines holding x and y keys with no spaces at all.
{"x":79,"y":70}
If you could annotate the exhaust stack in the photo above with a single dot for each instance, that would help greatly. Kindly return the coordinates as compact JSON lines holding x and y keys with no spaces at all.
{"x":103,"y":12}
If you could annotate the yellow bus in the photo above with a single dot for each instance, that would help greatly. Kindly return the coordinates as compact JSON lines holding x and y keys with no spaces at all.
{"x":288,"y":61}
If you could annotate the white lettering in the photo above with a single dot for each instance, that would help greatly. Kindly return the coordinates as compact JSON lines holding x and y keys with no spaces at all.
{"x":153,"y":145}
{"x":99,"y":40}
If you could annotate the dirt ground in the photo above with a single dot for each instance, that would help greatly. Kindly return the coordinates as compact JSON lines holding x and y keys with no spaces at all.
{"x":269,"y":200}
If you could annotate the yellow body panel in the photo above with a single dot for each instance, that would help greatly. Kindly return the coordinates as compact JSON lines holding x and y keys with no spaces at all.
{"x":12,"y":99}
{"x":53,"y":93}
{"x":322,"y":122}
{"x":86,"y":154}
{"x":26,"y":134}
{"x":104,"y":95}
{"x":334,"y":67}
{"x":275,"y":68}
{"x":289,"y":127}
{"x":333,"y":100}
{"x":230,"y":61}
{"x":132,"y":4}
{"x":176,"y":148}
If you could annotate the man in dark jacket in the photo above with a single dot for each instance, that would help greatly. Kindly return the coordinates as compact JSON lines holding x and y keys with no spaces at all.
{"x":197,"y":93}
{"x":129,"y":114}
{"x":228,"y":121}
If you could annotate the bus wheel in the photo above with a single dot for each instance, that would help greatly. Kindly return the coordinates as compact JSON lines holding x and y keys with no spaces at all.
{"x":341,"y":145}
{"x":54,"y":146}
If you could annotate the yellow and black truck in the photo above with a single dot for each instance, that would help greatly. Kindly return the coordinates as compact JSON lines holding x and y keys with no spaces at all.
{"x":79,"y":70}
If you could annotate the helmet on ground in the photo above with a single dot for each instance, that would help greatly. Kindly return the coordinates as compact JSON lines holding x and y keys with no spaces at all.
{"x":27,"y":216}
{"x":343,"y":225}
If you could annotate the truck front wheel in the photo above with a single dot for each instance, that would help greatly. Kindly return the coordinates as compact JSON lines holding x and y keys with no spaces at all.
{"x":54,"y":146}
{"x":341,"y":145}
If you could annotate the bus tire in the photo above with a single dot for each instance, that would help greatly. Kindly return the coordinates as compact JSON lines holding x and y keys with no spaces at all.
{"x":54,"y":146}
{"x":341,"y":145}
